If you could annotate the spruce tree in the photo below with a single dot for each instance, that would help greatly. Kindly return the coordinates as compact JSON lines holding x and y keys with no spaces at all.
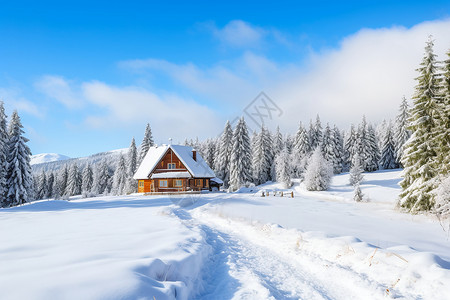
{"x":131,"y":186}
{"x":101,"y":178}
{"x":63,"y":178}
{"x":210,"y":152}
{"x":338,"y":151}
{"x":120,"y":178}
{"x":315,"y":133}
{"x":223,"y":159}
{"x":319,"y":172}
{"x":87,"y":180}
{"x":388,"y":156}
{"x":441,"y":132}
{"x":350,"y":146}
{"x":41,"y":186}
{"x":19,"y":177}
{"x":73,"y":181}
{"x":356,"y":171}
{"x":241,"y":161}
{"x":277,"y":142}
{"x":283,"y":168}
{"x":420,"y":150}
{"x":147,"y":142}
{"x":327,"y":144}
{"x":3,"y":153}
{"x":262,"y":159}
{"x":401,"y":134}
{"x":50,"y":184}
{"x":358,"y":195}
{"x":373,"y":156}
{"x":57,"y":187}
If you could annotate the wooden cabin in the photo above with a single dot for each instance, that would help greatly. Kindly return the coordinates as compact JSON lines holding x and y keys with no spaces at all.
{"x":173,"y":168}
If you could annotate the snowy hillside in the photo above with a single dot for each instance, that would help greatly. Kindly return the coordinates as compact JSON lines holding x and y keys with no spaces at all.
{"x":46,"y":158}
{"x":57,"y":164}
{"x":317,"y":245}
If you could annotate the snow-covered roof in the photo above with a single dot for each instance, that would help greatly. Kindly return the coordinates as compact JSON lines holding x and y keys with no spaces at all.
{"x":197,"y":168}
{"x":171,"y":175}
{"x":217,"y":180}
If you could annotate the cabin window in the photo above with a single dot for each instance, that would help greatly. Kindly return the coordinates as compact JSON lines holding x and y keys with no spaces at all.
{"x":178,"y":182}
{"x":171,"y":166}
{"x":141,"y":183}
{"x":163,"y":183}
{"x":198,"y":182}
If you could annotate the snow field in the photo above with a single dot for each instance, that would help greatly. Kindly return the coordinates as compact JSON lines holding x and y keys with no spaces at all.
{"x":99,"y":248}
{"x":309,"y":265}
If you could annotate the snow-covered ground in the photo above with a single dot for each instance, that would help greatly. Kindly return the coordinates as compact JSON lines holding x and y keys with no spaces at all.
{"x":317,"y":245}
{"x":47,"y":157}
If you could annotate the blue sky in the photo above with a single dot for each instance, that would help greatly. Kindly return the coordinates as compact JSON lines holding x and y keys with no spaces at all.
{"x":86,"y":77}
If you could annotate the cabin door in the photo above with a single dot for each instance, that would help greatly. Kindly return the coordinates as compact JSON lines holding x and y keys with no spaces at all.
{"x":152,"y":187}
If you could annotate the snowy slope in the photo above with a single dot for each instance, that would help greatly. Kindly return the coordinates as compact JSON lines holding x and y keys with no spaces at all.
{"x":317,"y":245}
{"x":101,"y":248}
{"x":46,"y":158}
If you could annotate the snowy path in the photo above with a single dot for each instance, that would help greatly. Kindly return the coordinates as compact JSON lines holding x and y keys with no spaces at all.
{"x":244,"y":266}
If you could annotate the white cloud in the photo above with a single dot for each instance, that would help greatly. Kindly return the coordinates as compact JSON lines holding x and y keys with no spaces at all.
{"x":169,"y":115}
{"x":368,"y":74}
{"x":238,"y":33}
{"x":14,"y":101}
{"x":59,"y":89}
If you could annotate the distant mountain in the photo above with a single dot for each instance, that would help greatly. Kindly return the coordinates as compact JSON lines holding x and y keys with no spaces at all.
{"x":47,"y":157}
{"x":53,"y":165}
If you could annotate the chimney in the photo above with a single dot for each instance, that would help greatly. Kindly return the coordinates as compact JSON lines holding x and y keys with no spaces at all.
{"x":194,"y":154}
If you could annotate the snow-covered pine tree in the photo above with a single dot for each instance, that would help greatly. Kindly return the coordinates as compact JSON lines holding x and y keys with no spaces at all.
{"x":262,"y":159}
{"x":131,"y":186}
{"x":289,"y":143}
{"x":210,"y":152}
{"x":315,"y":133}
{"x":350,"y":146}
{"x":277,"y":146}
{"x":41,"y":186}
{"x":338,"y":150}
{"x":420,"y":150}
{"x":50,"y":183}
{"x":19,"y":177}
{"x":374,"y":151}
{"x":63,"y":178}
{"x":358,"y":195}
{"x":441,"y":131}
{"x":57,"y":187}
{"x":388,"y":160}
{"x":283,"y":168}
{"x":318,"y":172}
{"x":356,"y":176}
{"x":277,"y":142}
{"x":120,"y":178}
{"x":327,"y":144}
{"x":73,"y":181}
{"x":223,"y":159}
{"x":147,"y":142}
{"x":442,"y":194}
{"x":380,"y":132}
{"x":241,"y":160}
{"x":3,"y":157}
{"x":401,"y":133}
{"x":300,"y":150}
{"x":361,"y":144}
{"x":87,"y":179}
{"x":101,"y":178}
